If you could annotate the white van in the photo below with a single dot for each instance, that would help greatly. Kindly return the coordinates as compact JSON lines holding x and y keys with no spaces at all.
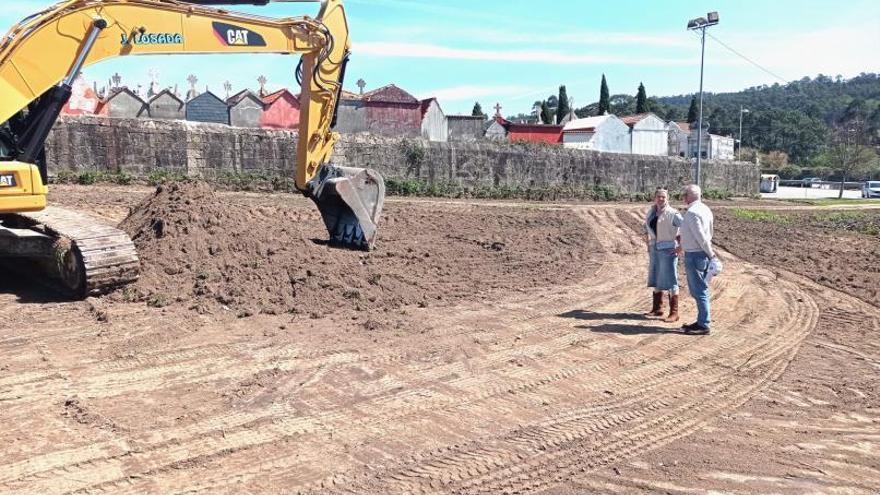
{"x":871,"y":189}
{"x":769,"y":183}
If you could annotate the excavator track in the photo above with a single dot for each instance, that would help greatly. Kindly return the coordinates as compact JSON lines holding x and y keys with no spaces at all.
{"x":92,"y":257}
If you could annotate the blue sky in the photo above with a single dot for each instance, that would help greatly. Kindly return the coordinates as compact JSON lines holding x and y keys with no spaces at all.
{"x":514,"y":52}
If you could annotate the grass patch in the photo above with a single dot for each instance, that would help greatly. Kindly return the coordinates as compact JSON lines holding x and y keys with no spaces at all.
{"x":600,"y":192}
{"x":760,"y":216}
{"x":157,"y":301}
{"x":157,"y":177}
{"x":835,"y":202}
{"x":89,"y":177}
{"x":439,"y":189}
{"x":855,"y":221}
{"x":268,"y":182}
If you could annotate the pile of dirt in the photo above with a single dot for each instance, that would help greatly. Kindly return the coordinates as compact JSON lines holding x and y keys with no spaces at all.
{"x":264,"y":253}
{"x":835,"y":250}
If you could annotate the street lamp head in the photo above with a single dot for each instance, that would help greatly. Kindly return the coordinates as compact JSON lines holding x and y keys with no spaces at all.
{"x":697,"y":23}
{"x":711,"y":19}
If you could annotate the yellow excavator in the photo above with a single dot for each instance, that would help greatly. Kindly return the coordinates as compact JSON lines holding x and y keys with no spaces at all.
{"x":42,"y":56}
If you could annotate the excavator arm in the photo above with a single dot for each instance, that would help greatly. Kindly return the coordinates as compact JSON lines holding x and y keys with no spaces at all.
{"x":41,"y":56}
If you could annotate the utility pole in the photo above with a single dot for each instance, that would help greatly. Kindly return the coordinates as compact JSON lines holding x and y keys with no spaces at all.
{"x":701,"y":23}
{"x":739,"y":151}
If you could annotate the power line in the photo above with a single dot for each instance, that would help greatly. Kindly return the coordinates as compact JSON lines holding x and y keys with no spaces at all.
{"x":747,"y":59}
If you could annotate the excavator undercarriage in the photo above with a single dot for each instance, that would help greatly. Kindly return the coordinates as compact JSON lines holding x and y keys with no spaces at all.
{"x":42,"y":56}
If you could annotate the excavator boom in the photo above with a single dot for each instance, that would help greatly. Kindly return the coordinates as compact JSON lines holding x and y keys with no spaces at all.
{"x":41,"y":56}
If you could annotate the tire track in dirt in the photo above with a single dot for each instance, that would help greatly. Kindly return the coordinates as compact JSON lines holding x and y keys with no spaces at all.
{"x":483,"y":389}
{"x":814,"y":429}
{"x":545,"y":436}
{"x":248,"y":420}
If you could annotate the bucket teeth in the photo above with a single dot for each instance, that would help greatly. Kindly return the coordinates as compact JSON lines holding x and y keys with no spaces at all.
{"x":350,"y":201}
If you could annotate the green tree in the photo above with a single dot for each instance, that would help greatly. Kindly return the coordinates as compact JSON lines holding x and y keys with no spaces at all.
{"x":641,"y":100}
{"x":478,"y":111}
{"x":874,"y":126}
{"x":546,"y":115}
{"x":563,"y":110}
{"x":851,"y":157}
{"x":791,"y":131}
{"x":693,"y":111}
{"x":604,"y":98}
{"x":857,"y":109}
{"x":622,"y":104}
{"x":673,"y":114}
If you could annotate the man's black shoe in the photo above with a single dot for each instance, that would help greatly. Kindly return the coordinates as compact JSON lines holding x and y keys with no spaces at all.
{"x":695,"y":329}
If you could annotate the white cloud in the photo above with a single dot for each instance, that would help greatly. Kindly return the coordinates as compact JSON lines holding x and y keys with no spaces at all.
{"x":832,"y":51}
{"x":426,"y":50}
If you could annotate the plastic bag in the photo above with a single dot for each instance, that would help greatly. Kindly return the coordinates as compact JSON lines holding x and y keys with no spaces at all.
{"x":715,"y":267}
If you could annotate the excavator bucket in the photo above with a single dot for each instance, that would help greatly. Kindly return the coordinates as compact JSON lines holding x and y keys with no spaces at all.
{"x":350,"y":201}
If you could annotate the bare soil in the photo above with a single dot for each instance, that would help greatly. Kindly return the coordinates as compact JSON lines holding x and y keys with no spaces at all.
{"x":533,"y":373}
{"x":266,"y":255}
{"x":841,"y":251}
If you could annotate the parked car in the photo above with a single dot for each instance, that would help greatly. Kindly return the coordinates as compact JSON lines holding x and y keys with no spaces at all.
{"x":810,"y":181}
{"x":871,"y":189}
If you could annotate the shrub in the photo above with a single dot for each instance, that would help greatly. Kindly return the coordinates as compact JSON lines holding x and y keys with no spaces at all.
{"x":761,"y":216}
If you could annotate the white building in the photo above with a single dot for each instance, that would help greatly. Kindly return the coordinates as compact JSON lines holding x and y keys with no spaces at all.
{"x":678,"y":138}
{"x":721,"y":147}
{"x":434,"y":124}
{"x":649,"y":135}
{"x":714,"y":147}
{"x":601,"y":133}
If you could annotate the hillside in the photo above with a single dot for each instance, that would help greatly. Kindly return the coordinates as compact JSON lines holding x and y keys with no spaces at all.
{"x":795,"y":118}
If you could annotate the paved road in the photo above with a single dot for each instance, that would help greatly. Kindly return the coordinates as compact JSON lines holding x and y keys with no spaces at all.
{"x":786,"y":192}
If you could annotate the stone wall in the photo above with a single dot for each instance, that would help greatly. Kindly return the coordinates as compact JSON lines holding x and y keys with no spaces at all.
{"x":464,"y":128}
{"x":140,"y":146}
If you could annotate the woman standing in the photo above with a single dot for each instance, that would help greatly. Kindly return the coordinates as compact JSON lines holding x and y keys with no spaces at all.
{"x":661,"y":227}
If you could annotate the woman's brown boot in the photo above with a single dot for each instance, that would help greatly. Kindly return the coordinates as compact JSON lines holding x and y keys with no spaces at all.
{"x":657,"y":308}
{"x":673,"y":309}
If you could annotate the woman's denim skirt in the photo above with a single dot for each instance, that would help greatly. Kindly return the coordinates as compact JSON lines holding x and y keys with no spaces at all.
{"x":662,"y":269}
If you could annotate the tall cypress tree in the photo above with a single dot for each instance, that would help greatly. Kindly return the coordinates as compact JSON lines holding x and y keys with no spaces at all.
{"x":546,"y":115}
{"x":641,"y":100}
{"x":563,"y":109}
{"x":693,"y":111}
{"x":478,"y":110}
{"x":604,"y":98}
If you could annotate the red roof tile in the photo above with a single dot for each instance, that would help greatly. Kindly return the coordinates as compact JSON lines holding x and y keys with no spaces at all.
{"x":426,"y":104}
{"x":348,"y":95}
{"x":632,"y":120}
{"x":390,"y":94}
{"x":273,"y":97}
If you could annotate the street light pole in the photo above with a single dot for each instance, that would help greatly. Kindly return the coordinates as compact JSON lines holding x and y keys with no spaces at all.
{"x":701,"y":23}
{"x":700,"y":118}
{"x":739,"y":151}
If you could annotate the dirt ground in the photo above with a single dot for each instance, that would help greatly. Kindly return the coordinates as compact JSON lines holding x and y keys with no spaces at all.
{"x":501,"y":350}
{"x":837,"y":249}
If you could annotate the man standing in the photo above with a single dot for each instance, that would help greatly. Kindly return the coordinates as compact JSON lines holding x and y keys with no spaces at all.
{"x":696,"y":243}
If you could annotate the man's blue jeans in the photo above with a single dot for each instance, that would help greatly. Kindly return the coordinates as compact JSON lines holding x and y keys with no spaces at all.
{"x":696,"y":266}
